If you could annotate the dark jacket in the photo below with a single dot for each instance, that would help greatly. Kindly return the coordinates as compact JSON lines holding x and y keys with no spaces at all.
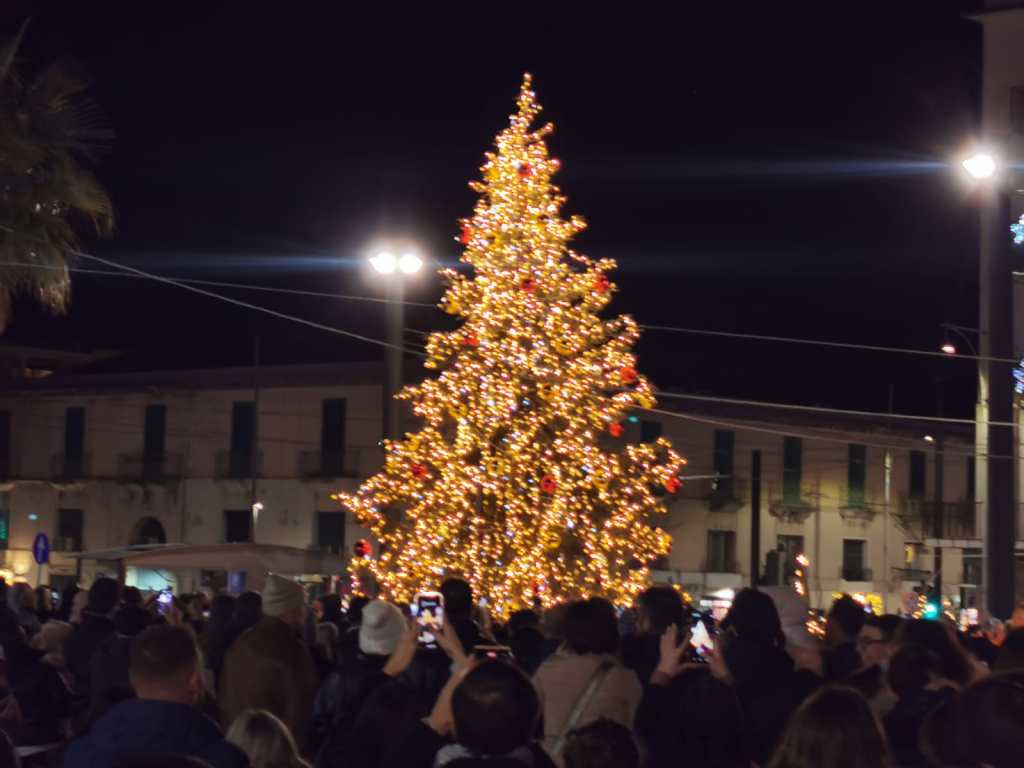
{"x":641,"y":653}
{"x":130,"y":620}
{"x":417,"y":747}
{"x":142,"y":726}
{"x":903,"y":725}
{"x":41,"y":693}
{"x":80,"y":646}
{"x":341,"y":697}
{"x":426,"y":676}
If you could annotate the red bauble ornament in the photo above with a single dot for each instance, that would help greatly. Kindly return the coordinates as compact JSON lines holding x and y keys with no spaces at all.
{"x":673,"y":484}
{"x":466,"y":235}
{"x":470,"y":340}
{"x":549,"y":485}
{"x":418,"y":470}
{"x":615,"y":430}
{"x":529,"y":285}
{"x":602,"y":284}
{"x":628,"y":374}
{"x":525,"y":170}
{"x":362,"y":548}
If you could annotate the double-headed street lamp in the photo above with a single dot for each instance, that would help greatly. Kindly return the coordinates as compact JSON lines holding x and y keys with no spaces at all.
{"x":394,"y":269}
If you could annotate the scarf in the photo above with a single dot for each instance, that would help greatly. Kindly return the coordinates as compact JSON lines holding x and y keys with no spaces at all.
{"x":453,"y":752}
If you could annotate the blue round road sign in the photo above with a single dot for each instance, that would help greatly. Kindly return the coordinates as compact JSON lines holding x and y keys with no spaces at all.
{"x":41,"y":548}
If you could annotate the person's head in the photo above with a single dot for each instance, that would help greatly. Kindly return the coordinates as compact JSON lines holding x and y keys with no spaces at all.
{"x":354,"y":615}
{"x":835,"y":727}
{"x":222,"y":608}
{"x":265,"y":740}
{"x":754,"y":618}
{"x":284,"y":599}
{"x":601,"y":744}
{"x":1017,"y":617}
{"x":131,"y":597}
{"x":495,"y":708}
{"x":23,"y":596}
{"x":164,"y":665}
{"x":44,"y":599}
{"x":248,"y":609}
{"x":877,"y":639}
{"x":845,"y":619}
{"x":326,"y":639}
{"x":332,"y":607}
{"x":458,"y":599}
{"x":104,"y":595}
{"x":78,"y":605}
{"x":658,"y":608}
{"x":381,"y":628}
{"x":950,"y":660}
{"x":50,"y":638}
{"x":67,"y":596}
{"x":523,"y":619}
{"x":591,"y":627}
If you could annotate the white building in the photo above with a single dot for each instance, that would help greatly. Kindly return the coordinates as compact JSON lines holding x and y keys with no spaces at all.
{"x":107,"y":460}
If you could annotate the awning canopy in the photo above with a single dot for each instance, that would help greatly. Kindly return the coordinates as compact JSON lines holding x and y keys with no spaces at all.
{"x":256,"y":560}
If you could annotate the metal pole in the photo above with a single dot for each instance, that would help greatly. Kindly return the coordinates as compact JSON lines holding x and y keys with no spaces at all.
{"x":395,"y":312}
{"x":755,"y":518}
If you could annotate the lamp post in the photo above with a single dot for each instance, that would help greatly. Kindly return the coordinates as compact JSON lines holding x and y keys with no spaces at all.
{"x":994,"y":482}
{"x":394,"y":269}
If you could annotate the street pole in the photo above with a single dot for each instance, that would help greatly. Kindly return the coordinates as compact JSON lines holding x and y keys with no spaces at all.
{"x":755,"y":517}
{"x":393,"y":353}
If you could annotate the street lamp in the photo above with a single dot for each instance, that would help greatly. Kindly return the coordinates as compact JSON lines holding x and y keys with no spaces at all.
{"x":980,"y":166}
{"x":394,"y":269}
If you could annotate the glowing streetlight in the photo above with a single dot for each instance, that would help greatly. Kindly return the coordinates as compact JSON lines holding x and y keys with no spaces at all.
{"x":980,"y":165}
{"x":948,"y":348}
{"x":384,"y":262}
{"x":409,"y":264}
{"x":929,"y":439}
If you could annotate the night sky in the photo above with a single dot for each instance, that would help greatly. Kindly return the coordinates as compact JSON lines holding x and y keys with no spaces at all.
{"x":774,"y":174}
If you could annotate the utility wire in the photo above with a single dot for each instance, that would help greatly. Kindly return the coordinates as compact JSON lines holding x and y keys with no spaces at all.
{"x":823,"y":343}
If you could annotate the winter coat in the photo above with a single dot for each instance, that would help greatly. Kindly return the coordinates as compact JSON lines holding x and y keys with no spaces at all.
{"x":419,"y":745}
{"x":563,"y":679}
{"x":142,"y":726}
{"x":42,"y":695}
{"x":341,"y":697}
{"x":130,"y":620}
{"x":269,"y":667}
{"x":81,"y":645}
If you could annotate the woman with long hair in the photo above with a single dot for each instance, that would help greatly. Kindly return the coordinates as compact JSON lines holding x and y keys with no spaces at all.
{"x":265,"y":740}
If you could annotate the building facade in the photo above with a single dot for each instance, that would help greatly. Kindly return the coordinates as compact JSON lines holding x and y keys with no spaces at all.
{"x":236,"y":455}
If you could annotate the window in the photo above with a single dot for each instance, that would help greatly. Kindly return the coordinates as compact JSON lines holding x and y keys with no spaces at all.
{"x":792,"y":469}
{"x":856,"y":474}
{"x":69,"y":530}
{"x":74,"y":442}
{"x":330,"y":532}
{"x":918,"y":474}
{"x":789,"y":547}
{"x":1017,"y":109}
{"x":153,"y":441}
{"x":332,"y":438}
{"x":721,"y":552}
{"x":972,"y":566}
{"x":853,"y":560}
{"x":650,"y":431}
{"x":5,"y":444}
{"x":237,"y":525}
{"x":725,"y":444}
{"x":243,"y":439}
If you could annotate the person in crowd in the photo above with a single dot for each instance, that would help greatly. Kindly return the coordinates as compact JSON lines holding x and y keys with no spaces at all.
{"x":1011,"y":654}
{"x":458,"y":611}
{"x":326,"y":641}
{"x":131,"y":618}
{"x":485,"y":717}
{"x":529,"y":646}
{"x":265,"y":740}
{"x":876,"y":645}
{"x":602,"y":744}
{"x":954,"y":663}
{"x":67,"y":597}
{"x":585,"y":678}
{"x":331,"y":605}
{"x":657,"y":609}
{"x":79,"y":604}
{"x":845,"y":620}
{"x":348,"y":645}
{"x":192,"y":612}
{"x":343,"y":692}
{"x":43,"y":698}
{"x":390,"y":710}
{"x":248,"y":612}
{"x":23,"y":603}
{"x":219,"y":634}
{"x":50,"y":640}
{"x":163,"y":718}
{"x":97,"y":628}
{"x":835,"y":727}
{"x":921,"y":681}
{"x":803,"y":648}
{"x":44,"y":603}
{"x":269,"y":667}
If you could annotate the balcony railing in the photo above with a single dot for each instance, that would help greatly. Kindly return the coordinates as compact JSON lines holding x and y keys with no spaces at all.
{"x":64,"y":468}
{"x":239,"y":464}
{"x":149,"y":468}
{"x":938,"y":520}
{"x":67,"y":544}
{"x":795,"y":509}
{"x":720,"y":566}
{"x":350,"y":462}
{"x":856,"y":574}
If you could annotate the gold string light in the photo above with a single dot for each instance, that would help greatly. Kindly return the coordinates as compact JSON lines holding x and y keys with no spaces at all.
{"x":518,"y":479}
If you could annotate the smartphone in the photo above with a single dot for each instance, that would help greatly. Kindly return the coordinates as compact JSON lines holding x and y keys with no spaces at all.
{"x":164,"y":601}
{"x":496,"y":652}
{"x":700,"y":639}
{"x":428,"y":610}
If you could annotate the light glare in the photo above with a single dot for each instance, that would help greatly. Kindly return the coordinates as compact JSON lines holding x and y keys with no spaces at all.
{"x":410,"y":263}
{"x":384,"y":262}
{"x":948,"y":348}
{"x":980,"y":165}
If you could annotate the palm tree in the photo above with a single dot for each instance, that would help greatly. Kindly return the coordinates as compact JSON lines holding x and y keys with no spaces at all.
{"x":48,"y":127}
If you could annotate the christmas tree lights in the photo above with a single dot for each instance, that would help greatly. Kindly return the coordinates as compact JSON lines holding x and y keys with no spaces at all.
{"x":519,"y":479}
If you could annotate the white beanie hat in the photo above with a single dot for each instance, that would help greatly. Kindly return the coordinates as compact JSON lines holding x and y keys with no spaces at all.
{"x":281,"y":595}
{"x":381,"y":628}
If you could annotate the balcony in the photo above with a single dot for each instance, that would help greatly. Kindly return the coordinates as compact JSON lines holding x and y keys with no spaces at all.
{"x":725,"y":495}
{"x":67,"y":469}
{"x":853,"y":573}
{"x":922,"y":519}
{"x":794,"y":508}
{"x":239,"y":465}
{"x":857,"y":510}
{"x":721,"y":566}
{"x":351,"y":462}
{"x":67,"y":544}
{"x":149,"y":468}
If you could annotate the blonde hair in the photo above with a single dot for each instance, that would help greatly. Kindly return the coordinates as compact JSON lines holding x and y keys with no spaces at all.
{"x":265,"y":740}
{"x":51,"y":637}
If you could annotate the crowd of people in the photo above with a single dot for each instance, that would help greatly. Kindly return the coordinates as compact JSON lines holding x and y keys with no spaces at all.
{"x":108,"y":677}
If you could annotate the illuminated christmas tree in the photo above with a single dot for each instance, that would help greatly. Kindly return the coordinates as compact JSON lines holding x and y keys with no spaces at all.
{"x":520,"y":479}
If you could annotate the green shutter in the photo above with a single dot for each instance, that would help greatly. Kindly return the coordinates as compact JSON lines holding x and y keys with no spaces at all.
{"x":857,"y":474}
{"x":792,"y":469}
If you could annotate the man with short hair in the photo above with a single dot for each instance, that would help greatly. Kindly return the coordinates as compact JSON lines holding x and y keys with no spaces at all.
{"x":96,"y":629}
{"x":164,"y":672}
{"x":269,"y":666}
{"x":458,"y":611}
{"x":877,"y":640}
{"x":657,"y":609}
{"x":845,"y":620}
{"x":131,"y":618}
